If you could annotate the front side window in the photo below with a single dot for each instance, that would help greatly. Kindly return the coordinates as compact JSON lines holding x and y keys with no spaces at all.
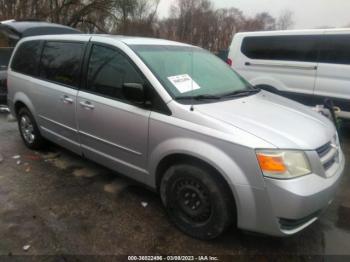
{"x":190,"y":72}
{"x":284,"y":48}
{"x":61,"y":62}
{"x":26,"y":58}
{"x":108,"y":71}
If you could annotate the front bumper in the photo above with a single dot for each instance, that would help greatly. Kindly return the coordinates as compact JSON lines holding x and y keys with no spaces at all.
{"x":286,"y":207}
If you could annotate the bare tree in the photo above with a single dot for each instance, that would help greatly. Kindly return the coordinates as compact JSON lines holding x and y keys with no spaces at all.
{"x":192,"y":21}
{"x":144,"y":17}
{"x":264,"y":22}
{"x":229,"y":21}
{"x":285,"y":20}
{"x":74,"y":13}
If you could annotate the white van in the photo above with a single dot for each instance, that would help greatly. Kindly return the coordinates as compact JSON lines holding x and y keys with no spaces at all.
{"x":304,"y":65}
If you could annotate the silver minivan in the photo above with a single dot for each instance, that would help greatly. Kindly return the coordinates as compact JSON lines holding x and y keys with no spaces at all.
{"x":179,"y":120}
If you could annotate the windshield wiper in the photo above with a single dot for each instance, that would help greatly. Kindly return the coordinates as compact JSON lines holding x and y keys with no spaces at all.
{"x":241,"y":93}
{"x":199,"y":97}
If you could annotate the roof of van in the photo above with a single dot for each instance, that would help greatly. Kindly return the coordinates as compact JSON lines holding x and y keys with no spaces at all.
{"x":128,"y":40}
{"x":32,"y":28}
{"x":295,"y":32}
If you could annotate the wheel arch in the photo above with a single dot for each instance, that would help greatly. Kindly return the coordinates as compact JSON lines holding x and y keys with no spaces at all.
{"x":176,"y":158}
{"x":269,"y":84}
{"x":22,"y":100}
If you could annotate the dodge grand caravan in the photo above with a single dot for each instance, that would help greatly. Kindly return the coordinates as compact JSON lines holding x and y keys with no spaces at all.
{"x":305,"y":65}
{"x":182,"y":122}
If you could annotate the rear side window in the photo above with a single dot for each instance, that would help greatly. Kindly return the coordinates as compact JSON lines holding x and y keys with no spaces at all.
{"x":26,"y":58}
{"x":61,"y":62}
{"x":108,"y":71}
{"x":335,"y":49}
{"x":288,"y":48}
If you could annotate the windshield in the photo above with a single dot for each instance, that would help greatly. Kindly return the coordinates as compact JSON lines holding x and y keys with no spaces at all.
{"x":189,"y":72}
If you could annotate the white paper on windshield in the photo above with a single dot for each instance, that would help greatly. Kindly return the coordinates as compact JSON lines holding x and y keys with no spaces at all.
{"x":183,"y":83}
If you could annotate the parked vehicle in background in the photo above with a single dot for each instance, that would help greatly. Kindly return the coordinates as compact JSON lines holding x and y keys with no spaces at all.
{"x":223,"y":54}
{"x":5,"y":55}
{"x":305,"y":65}
{"x":12,"y":31}
{"x":179,"y":120}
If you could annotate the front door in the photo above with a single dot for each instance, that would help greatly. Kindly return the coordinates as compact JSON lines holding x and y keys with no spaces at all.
{"x":112,"y":131}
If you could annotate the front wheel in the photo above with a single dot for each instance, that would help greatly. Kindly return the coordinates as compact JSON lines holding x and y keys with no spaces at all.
{"x":29,"y":130}
{"x":197,"y":201}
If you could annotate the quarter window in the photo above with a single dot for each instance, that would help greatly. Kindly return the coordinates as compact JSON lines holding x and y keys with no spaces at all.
{"x":27,"y":57}
{"x":61,"y":62}
{"x":287,"y":48}
{"x":108,"y":71}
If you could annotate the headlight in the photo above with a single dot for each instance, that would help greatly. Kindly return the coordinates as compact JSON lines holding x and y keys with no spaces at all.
{"x":283,"y":164}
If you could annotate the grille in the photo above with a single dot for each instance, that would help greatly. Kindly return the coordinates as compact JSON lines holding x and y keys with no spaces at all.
{"x":329,"y":164}
{"x":328,"y":155}
{"x":324,"y":150}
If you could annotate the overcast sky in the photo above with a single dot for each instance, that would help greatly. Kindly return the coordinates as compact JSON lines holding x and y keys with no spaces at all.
{"x":307,"y":13}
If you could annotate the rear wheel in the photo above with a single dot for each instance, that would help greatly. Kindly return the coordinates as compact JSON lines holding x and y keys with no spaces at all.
{"x":29,"y":130}
{"x":197,"y":201}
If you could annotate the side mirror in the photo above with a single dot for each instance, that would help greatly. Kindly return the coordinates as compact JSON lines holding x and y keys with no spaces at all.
{"x":134,"y":92}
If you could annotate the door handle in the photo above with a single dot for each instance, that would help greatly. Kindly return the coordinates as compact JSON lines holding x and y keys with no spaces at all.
{"x":67,"y":100}
{"x":87,"y":105}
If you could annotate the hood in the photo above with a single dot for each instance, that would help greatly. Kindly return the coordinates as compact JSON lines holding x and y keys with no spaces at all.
{"x":284,"y":123}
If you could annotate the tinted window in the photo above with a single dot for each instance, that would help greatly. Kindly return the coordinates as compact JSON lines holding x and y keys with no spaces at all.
{"x":27,"y":57}
{"x":108,"y":71}
{"x":335,"y":49}
{"x":61,"y":62}
{"x":289,"y":48}
{"x":5,"y":55}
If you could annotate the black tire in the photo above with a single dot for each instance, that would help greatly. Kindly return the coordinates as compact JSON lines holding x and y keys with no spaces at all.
{"x":197,"y":200}
{"x":37,"y":142}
